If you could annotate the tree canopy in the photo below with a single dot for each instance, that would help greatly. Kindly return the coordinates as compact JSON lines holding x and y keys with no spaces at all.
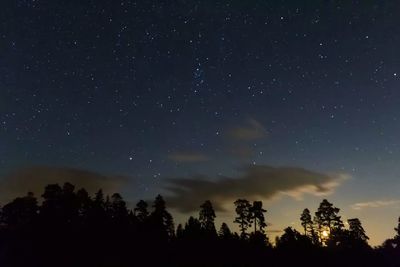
{"x":101,"y":230}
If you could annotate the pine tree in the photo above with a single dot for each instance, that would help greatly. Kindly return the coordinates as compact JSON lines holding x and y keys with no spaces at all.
{"x":161,"y":219}
{"x":99,"y":199}
{"x":84,"y":204}
{"x":328,"y":221}
{"x":257,"y":213}
{"x":243,"y":217}
{"x":207,"y":217}
{"x":97,"y":213}
{"x":356,"y":230}
{"x":397,"y":229}
{"x":69,"y":204}
{"x":193,"y":229}
{"x":141,"y":212}
{"x":118,"y":209}
{"x":306,"y":222}
{"x":224,"y":232}
{"x":169,"y":225}
{"x":290,"y":239}
{"x":51,"y":210}
{"x":179,"y":231}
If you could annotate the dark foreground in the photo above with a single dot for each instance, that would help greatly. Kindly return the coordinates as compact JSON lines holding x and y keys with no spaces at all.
{"x":72,"y":229}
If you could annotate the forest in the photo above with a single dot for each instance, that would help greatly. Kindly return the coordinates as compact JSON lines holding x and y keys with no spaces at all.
{"x":68,"y":227}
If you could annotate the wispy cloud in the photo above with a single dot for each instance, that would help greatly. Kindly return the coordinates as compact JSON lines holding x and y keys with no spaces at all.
{"x":375,"y":204}
{"x":251,"y":130}
{"x":188,"y":157}
{"x":274,"y":231}
{"x":240,"y":138}
{"x":255,"y":182}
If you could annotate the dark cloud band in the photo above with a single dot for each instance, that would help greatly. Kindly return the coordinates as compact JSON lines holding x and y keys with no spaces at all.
{"x":255,"y":182}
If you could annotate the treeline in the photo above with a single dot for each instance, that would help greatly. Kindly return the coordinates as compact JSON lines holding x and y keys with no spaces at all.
{"x":72,"y":228}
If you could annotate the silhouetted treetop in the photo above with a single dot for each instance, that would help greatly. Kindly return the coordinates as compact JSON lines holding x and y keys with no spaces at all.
{"x":244,"y":215}
{"x":21,"y":211}
{"x":224,"y":232}
{"x":72,"y":228}
{"x":257,"y":214}
{"x":141,"y":211}
{"x":161,"y":220}
{"x":306,"y":221}
{"x":207,"y":217}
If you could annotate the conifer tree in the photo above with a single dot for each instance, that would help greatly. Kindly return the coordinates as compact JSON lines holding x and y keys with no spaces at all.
{"x":306,"y":222}
{"x":257,"y":213}
{"x":207,"y":217}
{"x":243,"y":218}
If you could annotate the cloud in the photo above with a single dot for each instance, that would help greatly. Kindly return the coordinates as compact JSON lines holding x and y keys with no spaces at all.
{"x":374,"y":204}
{"x":34,"y":179}
{"x":240,"y":139}
{"x":255,"y":182}
{"x":187,"y":157}
{"x":252,"y":130}
{"x":274,"y":231}
{"x":241,"y":151}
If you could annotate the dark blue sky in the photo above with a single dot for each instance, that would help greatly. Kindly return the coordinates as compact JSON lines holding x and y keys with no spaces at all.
{"x":160,"y":89}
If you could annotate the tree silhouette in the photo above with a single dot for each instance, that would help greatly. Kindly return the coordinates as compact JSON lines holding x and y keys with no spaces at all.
{"x":99,"y":199}
{"x":243,"y":218}
{"x":328,"y":220}
{"x":357,"y":231}
{"x":224,"y":232}
{"x":84,"y":205}
{"x":51,"y":209}
{"x":397,"y":229}
{"x":69,"y":203}
{"x":97,"y":213}
{"x":169,"y":225}
{"x":118,"y":210}
{"x":290,"y":239}
{"x":180,"y":232}
{"x":21,"y":211}
{"x":193,"y":229}
{"x":141,"y":212}
{"x":74,"y":229}
{"x":161,"y":219}
{"x":257,"y":214}
{"x":258,"y":240}
{"x":206,"y":218}
{"x":352,"y":238}
{"x":306,"y":221}
{"x":308,"y":226}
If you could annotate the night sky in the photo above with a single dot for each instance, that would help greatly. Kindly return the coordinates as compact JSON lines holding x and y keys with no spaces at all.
{"x":282,"y":101}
